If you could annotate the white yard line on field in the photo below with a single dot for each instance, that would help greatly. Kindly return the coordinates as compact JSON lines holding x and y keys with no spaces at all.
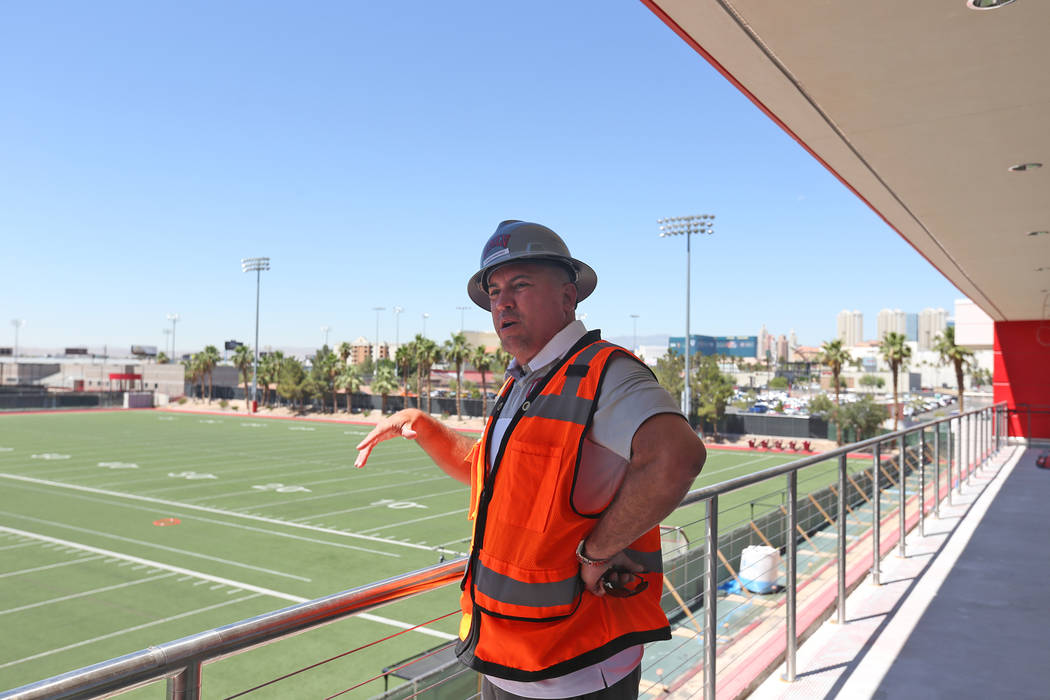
{"x":217,"y":511}
{"x":458,"y":511}
{"x":256,"y":590}
{"x":461,"y":489}
{"x":223,"y":523}
{"x":337,"y":494}
{"x":49,"y":566}
{"x":184,"y":552}
{"x":126,"y":630}
{"x":85,"y":593}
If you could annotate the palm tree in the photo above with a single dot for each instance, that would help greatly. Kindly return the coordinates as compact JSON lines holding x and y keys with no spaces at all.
{"x":427,"y":353}
{"x":325,"y":369}
{"x":834,"y":356}
{"x":503,"y":359}
{"x":193,"y":372}
{"x":896,"y":351}
{"x":199,"y":370}
{"x":960,"y":357}
{"x":209,"y":359}
{"x":345,"y":350}
{"x":269,"y":371}
{"x":349,"y":380}
{"x":384,"y":383}
{"x":457,"y":351}
{"x":242,"y":360}
{"x":482,"y":361}
{"x":162,"y":358}
{"x":405,"y":358}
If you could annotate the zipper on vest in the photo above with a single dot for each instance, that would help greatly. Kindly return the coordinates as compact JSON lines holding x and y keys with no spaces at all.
{"x":490,"y":476}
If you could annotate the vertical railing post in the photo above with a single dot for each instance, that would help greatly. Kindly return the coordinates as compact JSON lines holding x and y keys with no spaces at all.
{"x":186,"y":684}
{"x":995,"y":427}
{"x":922,"y":482}
{"x":840,"y":608}
{"x":971,"y":449}
{"x":901,"y":515}
{"x":960,"y":454}
{"x":791,"y":569}
{"x":937,"y":470}
{"x":1028,"y":433}
{"x":711,"y":598}
{"x":951,"y":453}
{"x":1000,"y":428}
{"x":983,"y":436}
{"x":875,"y":513}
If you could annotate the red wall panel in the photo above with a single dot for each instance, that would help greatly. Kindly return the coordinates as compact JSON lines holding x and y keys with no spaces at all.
{"x":1022,"y":373}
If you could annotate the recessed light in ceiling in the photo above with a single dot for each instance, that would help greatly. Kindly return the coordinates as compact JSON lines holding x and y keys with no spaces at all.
{"x":987,"y":4}
{"x":1022,"y":167}
{"x":1038,"y":233}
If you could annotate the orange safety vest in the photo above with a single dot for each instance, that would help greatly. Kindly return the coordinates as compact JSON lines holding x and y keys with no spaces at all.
{"x":525,"y":614}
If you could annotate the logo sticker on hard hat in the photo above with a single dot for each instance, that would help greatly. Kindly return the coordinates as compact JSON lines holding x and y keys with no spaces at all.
{"x":496,"y":248}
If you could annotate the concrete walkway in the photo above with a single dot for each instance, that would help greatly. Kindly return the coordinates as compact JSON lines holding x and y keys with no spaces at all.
{"x":964,"y":615}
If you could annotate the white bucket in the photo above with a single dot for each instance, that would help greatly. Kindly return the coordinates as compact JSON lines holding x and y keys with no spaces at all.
{"x":759,"y":568}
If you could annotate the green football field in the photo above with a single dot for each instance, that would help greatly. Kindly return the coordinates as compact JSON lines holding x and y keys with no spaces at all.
{"x":119,"y":530}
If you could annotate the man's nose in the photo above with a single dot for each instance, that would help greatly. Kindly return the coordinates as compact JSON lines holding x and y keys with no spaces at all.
{"x":503,"y":299}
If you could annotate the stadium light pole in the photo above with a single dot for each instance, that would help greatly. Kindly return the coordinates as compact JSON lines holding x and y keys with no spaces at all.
{"x":258,"y":266}
{"x":167,"y":335}
{"x":174,"y":318}
{"x":425,"y":317}
{"x":325,"y":329}
{"x":461,"y":310}
{"x":634,"y":348}
{"x":687,"y":226}
{"x":17,"y":323}
{"x":397,"y":326}
{"x":375,"y":356}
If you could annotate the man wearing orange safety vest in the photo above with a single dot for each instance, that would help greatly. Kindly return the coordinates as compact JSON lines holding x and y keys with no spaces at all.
{"x":583,"y":455}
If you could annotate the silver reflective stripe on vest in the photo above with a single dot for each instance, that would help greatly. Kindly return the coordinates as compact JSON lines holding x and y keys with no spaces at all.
{"x":652,"y":561}
{"x":571,"y":409}
{"x":534,"y":595}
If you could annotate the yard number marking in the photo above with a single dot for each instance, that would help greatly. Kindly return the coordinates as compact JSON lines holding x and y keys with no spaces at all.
{"x":302,"y":428}
{"x":397,"y":505}
{"x":50,"y":455}
{"x":191,"y":475}
{"x":253,"y":425}
{"x":7,"y":449}
{"x":119,"y":465}
{"x":281,"y":488}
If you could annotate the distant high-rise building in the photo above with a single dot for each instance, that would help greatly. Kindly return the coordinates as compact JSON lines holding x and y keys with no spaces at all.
{"x":792,"y":344}
{"x":782,"y":349}
{"x":850,"y":327}
{"x":911,"y":327}
{"x":763,"y":343}
{"x":895,"y":321}
{"x":932,"y":323}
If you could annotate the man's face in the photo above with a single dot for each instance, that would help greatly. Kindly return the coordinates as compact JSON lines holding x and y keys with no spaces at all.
{"x":530,"y":303}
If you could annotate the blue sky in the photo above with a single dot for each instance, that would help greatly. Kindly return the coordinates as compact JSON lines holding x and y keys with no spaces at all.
{"x":369,"y":149}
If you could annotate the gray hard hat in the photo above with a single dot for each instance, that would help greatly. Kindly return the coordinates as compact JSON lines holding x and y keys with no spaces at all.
{"x":521,"y":241}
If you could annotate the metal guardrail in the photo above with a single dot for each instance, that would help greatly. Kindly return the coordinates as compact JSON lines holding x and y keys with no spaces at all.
{"x":181,"y":661}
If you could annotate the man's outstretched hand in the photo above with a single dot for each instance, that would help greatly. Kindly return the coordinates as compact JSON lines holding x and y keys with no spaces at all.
{"x":395,"y":425}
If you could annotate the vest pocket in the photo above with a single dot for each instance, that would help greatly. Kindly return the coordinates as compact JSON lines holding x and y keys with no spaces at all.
{"x":514,"y":592}
{"x":525,"y":485}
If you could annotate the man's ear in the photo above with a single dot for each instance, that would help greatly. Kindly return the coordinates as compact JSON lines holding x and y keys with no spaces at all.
{"x":571,"y":293}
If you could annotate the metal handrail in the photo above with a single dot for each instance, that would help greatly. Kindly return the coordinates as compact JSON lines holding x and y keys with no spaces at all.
{"x":180,"y":661}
